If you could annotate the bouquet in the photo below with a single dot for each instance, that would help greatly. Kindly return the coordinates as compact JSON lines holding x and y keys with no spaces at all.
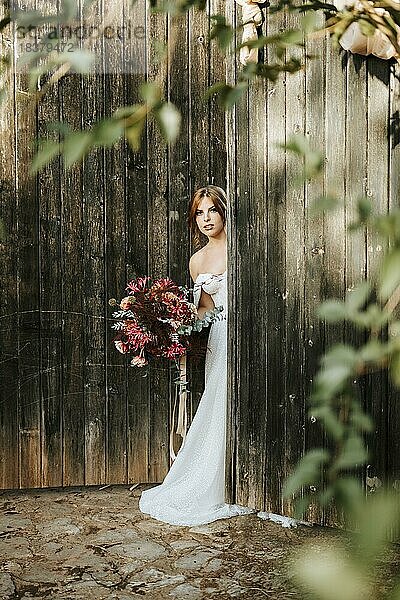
{"x":156,"y":320}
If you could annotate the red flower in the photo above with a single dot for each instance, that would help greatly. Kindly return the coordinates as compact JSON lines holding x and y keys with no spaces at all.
{"x":175,"y":350}
{"x":121,"y":346}
{"x":138,"y":285}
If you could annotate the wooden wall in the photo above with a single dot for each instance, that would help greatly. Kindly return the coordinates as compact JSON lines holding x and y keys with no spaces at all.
{"x":287,"y":261}
{"x":71,"y":412}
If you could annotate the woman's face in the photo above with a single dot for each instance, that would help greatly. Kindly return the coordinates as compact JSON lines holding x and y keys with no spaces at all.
{"x":208,"y":219}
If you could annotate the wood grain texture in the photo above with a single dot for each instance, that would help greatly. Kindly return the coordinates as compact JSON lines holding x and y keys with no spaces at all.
{"x":9,"y":335}
{"x":275,"y":284}
{"x":294,"y":400}
{"x":140,"y":413}
{"x":314,"y":246}
{"x":78,"y":414}
{"x":158,"y":225}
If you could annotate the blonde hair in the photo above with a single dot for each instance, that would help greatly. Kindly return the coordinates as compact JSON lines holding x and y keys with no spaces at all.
{"x":218,"y":196}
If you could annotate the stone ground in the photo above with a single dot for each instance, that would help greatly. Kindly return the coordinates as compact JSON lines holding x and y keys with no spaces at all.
{"x":94,"y":543}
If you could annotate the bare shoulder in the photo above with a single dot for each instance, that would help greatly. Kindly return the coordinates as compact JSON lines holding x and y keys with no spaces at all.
{"x":195,"y":263}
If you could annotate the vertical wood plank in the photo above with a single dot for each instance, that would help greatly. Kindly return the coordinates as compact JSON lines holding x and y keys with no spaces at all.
{"x":232,"y":342}
{"x":93,"y":278}
{"x":9,"y":379}
{"x":294,"y":401}
{"x":378,"y":77}
{"x":179,"y":153}
{"x":334,"y":222}
{"x":217,"y":127}
{"x":74,"y":320}
{"x":275,"y":288}
{"x":356,"y":164}
{"x":115,"y":244}
{"x":29,"y":297}
{"x":157,"y":166}
{"x":255,"y":265}
{"x":137,"y":259}
{"x":50,"y":289}
{"x":393,"y":442}
{"x":314,"y":241}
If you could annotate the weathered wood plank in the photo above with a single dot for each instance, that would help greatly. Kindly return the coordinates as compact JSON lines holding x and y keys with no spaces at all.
{"x":50,"y":289}
{"x":179,"y":154}
{"x":334,"y":222}
{"x":157,"y":154}
{"x":294,"y":401}
{"x":217,"y":118}
{"x":115,"y":244}
{"x":356,"y":164}
{"x":29,"y":289}
{"x":9,"y":334}
{"x":74,"y":320}
{"x":93,"y":277}
{"x":393,"y":442}
{"x":137,"y":265}
{"x":314,"y":266}
{"x":231,"y":189}
{"x":275,"y":288}
{"x":378,"y":76}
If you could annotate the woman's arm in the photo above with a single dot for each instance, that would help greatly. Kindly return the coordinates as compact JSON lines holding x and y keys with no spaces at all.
{"x":206,"y":302}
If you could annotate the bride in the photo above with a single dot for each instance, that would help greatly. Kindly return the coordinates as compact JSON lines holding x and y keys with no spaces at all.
{"x":193,"y":491}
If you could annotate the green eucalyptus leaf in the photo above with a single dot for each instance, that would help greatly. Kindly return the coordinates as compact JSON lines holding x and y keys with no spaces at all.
{"x":75,"y":146}
{"x":373,"y":351}
{"x":395,"y":369}
{"x":353,"y":453}
{"x":169,"y":119}
{"x":364,"y":207}
{"x":307,"y":471}
{"x":322,"y":204}
{"x":357,"y":297}
{"x":107,"y":132}
{"x":332,"y":311}
{"x":390,"y":274}
{"x":48,"y":150}
{"x":150,"y":93}
{"x":134,"y":134}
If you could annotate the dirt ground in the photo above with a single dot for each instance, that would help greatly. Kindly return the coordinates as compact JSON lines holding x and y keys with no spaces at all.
{"x":93,"y":544}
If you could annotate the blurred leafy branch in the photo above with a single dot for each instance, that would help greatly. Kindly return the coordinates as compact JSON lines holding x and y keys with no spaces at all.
{"x":372,"y":307}
{"x":49,"y":65}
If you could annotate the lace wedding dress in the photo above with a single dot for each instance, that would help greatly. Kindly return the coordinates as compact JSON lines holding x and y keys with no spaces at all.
{"x":192,"y":492}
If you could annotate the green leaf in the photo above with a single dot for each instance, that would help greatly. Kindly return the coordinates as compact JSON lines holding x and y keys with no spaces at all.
{"x":81,"y":61}
{"x":395,"y":369}
{"x":169,"y":119}
{"x":330,"y":421}
{"x":107,"y":132}
{"x":353,"y":453}
{"x":390,"y":274}
{"x":307,"y":471}
{"x":373,"y":351}
{"x":322,"y":204}
{"x":332,"y":311}
{"x":47,"y":152}
{"x":364,"y":207}
{"x":357,"y":297}
{"x":75,"y":147}
{"x":134,"y":134}
{"x":150,"y":93}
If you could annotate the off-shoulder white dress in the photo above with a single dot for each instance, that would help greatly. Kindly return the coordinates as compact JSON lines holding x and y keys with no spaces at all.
{"x":192,"y":492}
